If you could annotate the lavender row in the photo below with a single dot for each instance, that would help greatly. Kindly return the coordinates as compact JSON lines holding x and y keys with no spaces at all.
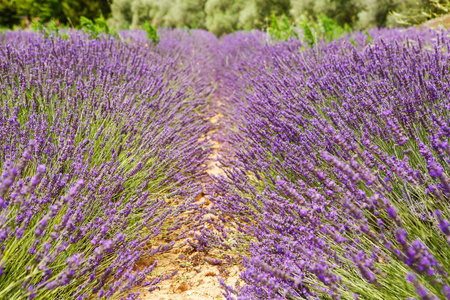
{"x":95,"y":136}
{"x":339,"y":185}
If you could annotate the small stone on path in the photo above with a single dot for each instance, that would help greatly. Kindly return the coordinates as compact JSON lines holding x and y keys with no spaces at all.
{"x":184,"y":286}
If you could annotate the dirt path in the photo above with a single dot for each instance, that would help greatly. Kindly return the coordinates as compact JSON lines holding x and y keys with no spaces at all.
{"x":197,"y":279}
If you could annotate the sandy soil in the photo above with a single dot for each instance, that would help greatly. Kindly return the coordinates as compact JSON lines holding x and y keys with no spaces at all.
{"x":196,"y":279}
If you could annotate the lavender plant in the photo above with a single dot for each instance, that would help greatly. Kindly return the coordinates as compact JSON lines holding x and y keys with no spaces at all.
{"x":338,"y":187}
{"x":96,"y":136}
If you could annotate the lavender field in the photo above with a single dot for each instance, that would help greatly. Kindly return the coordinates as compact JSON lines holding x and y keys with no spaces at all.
{"x":335,"y":164}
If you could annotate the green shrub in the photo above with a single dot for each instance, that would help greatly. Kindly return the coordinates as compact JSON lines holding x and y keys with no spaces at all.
{"x":52,"y":28}
{"x":97,"y":27}
{"x":281,"y":29}
{"x":152,"y":33}
{"x":323,"y":29}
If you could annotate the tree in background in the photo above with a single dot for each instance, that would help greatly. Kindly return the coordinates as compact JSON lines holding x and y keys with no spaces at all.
{"x":8,"y":14}
{"x":358,"y":14}
{"x":378,"y":13}
{"x":422,"y":11}
{"x":14,"y":12}
{"x":217,"y":16}
{"x":67,"y":12}
{"x":92,"y":9}
{"x":222,"y":16}
{"x":172,"y":13}
{"x":186,"y":13}
{"x":361,"y":14}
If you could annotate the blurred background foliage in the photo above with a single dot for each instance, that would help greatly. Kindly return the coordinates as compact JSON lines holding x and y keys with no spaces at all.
{"x":222,"y":16}
{"x":22,"y":13}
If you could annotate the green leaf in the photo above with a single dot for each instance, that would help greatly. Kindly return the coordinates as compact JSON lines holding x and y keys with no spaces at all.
{"x":152,"y":33}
